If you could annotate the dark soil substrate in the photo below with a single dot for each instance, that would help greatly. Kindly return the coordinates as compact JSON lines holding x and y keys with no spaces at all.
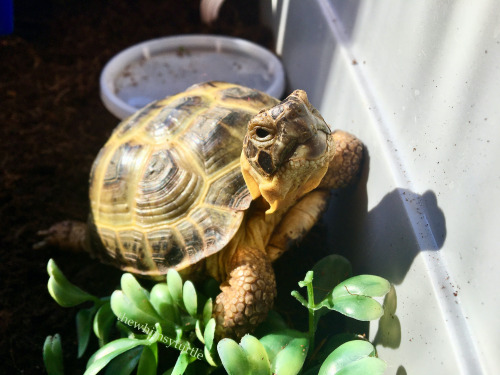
{"x":52,"y":126}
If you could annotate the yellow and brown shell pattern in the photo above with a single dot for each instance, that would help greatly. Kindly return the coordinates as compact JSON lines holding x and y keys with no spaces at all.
{"x":166,"y":190}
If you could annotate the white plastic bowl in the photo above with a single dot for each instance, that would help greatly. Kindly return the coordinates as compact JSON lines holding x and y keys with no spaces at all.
{"x":161,"y":67}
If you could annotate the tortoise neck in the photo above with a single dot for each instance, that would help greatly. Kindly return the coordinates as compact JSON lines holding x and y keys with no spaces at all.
{"x":255,"y":232}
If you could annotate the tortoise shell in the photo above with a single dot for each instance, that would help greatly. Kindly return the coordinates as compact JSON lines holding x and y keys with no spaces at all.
{"x":166,"y":190}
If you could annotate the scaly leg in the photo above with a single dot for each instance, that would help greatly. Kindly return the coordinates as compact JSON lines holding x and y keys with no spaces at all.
{"x":346,"y":162}
{"x":247,"y":295}
{"x":297,"y":222}
{"x":66,"y":235}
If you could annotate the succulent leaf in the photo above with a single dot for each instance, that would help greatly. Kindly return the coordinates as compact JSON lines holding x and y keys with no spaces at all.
{"x":190,"y":298}
{"x":233,"y":357}
{"x":352,"y":358}
{"x":62,"y":291}
{"x":128,"y":312}
{"x":174,"y":282}
{"x":103,"y":322}
{"x":182,"y":362}
{"x":83,"y":328}
{"x":209,"y":334}
{"x":125,"y":363}
{"x":147,"y":362}
{"x":207,"y":311}
{"x":364,"y":285}
{"x":110,"y":351}
{"x":209,"y":358}
{"x":163,"y":302}
{"x":328,"y":273}
{"x":257,"y":357}
{"x":52,"y":355}
{"x":137,"y":294}
{"x":199,"y":333}
{"x":359,"y":307}
{"x":287,"y":351}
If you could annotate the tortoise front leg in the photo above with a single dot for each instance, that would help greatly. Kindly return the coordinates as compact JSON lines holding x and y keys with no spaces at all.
{"x":247,"y":295}
{"x":297,"y":222}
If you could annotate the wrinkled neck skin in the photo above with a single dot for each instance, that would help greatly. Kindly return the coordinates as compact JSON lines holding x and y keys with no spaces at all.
{"x":255,"y":231}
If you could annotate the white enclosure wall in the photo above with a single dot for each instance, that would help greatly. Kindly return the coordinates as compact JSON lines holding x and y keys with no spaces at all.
{"x":419,"y":83}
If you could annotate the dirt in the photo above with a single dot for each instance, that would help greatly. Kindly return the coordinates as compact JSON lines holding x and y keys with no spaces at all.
{"x":52,"y":126}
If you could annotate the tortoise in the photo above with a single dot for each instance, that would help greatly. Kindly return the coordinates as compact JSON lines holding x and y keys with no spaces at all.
{"x":218,"y":180}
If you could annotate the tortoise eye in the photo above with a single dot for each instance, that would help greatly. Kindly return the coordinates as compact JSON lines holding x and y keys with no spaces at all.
{"x":263,"y":134}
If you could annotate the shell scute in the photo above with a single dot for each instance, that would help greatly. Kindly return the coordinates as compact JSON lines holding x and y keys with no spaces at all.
{"x":135,"y":249}
{"x":193,"y":240}
{"x":210,"y":219}
{"x":173,"y":117}
{"x":135,"y":121}
{"x":166,"y":190}
{"x":229,"y":191}
{"x":167,"y":250}
{"x":114,"y":196}
{"x":252,"y":98}
{"x":215,"y":143}
{"x":110,"y":242}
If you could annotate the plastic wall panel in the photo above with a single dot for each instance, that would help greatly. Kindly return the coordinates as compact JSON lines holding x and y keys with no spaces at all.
{"x":419,"y":82}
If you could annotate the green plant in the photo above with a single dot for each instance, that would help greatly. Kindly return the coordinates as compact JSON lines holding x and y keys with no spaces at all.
{"x":287,"y":349}
{"x":134,"y":327}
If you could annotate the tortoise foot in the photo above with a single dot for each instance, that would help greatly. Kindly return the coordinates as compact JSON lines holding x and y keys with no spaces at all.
{"x":246,"y":296}
{"x":66,"y":235}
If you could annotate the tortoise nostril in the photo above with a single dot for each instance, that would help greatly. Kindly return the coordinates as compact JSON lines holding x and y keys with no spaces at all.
{"x":276,"y":111}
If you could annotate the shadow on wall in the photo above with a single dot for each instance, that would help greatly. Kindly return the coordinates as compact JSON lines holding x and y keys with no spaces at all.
{"x":383,"y":241}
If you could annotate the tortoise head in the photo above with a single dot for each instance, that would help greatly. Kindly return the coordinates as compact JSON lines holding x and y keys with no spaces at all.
{"x":286,"y":151}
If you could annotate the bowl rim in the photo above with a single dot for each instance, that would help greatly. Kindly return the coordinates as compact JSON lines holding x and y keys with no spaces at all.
{"x":122,"y":59}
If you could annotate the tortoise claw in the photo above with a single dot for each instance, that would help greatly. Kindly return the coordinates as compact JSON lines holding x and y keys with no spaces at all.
{"x":40,"y":245}
{"x":47,"y":241}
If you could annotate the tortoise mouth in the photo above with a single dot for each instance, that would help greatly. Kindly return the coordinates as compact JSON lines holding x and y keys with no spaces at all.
{"x":313,"y":149}
{"x":306,"y":157}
